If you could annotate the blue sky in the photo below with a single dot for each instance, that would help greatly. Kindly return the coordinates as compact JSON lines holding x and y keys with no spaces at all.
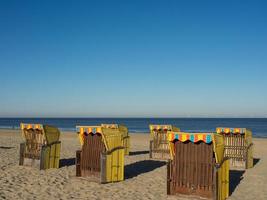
{"x":133,"y":58}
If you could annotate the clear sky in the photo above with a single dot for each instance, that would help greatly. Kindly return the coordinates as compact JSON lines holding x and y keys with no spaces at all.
{"x":133,"y":58}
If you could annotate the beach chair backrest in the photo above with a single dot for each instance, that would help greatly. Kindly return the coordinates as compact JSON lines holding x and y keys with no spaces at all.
{"x":247,"y":133}
{"x":124,"y":132}
{"x":33,"y":133}
{"x":52,"y":134}
{"x":238,"y":146}
{"x":110,"y":137}
{"x":113,"y":138}
{"x":92,"y":148}
{"x":110,"y":126}
{"x":83,"y":131}
{"x":156,"y":128}
{"x":123,"y":129}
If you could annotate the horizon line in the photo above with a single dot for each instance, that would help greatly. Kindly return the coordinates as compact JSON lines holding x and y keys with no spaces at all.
{"x":137,"y":117}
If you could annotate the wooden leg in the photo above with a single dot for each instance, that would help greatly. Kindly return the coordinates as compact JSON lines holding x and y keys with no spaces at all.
{"x":78,"y":163}
{"x":103,"y":170}
{"x":215,"y":182}
{"x":43,"y":158}
{"x":21,"y":153}
{"x":168,"y":178}
{"x":150,"y":149}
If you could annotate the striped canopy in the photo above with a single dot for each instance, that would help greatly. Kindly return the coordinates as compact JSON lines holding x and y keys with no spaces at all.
{"x":31,"y":126}
{"x":89,"y":129}
{"x":230,"y":130}
{"x":161,"y":127}
{"x":82,"y":131}
{"x":193,"y":137}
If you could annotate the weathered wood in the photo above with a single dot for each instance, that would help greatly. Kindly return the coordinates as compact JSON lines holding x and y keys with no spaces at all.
{"x":43,"y":159}
{"x":169,"y":177}
{"x":42,"y":148}
{"x":150,"y":148}
{"x":103,"y":168}
{"x":90,"y":156}
{"x":236,"y":150}
{"x":190,"y":171}
{"x":21,"y":153}
{"x":159,"y":147}
{"x":78,"y":163}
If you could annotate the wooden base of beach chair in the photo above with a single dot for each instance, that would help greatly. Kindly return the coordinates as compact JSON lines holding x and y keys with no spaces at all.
{"x":235,"y":164}
{"x":30,"y":162}
{"x":111,"y":168}
{"x":50,"y":155}
{"x":47,"y":158}
{"x":240,"y":156}
{"x":85,"y":170}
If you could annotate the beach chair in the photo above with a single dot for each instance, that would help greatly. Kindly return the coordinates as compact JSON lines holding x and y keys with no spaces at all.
{"x":125,"y":135}
{"x":41,"y":147}
{"x":197,"y":166}
{"x":159,"y":145}
{"x":101,"y":155}
{"x":238,"y":146}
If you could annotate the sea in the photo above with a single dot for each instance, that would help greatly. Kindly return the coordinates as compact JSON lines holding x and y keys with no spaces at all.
{"x":141,"y":125}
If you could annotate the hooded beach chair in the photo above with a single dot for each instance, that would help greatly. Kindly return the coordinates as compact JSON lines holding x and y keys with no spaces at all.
{"x":41,"y":147}
{"x":101,"y":154}
{"x":125,"y":135}
{"x":197,"y":165}
{"x":159,"y":145}
{"x":238,"y":146}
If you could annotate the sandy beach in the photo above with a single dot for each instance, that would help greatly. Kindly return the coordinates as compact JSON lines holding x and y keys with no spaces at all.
{"x":144,"y":178}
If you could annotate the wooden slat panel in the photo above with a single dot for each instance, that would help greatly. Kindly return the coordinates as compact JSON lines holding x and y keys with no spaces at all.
{"x":193,"y":169}
{"x":160,"y":147}
{"x":91,"y":151}
{"x":235,"y":149}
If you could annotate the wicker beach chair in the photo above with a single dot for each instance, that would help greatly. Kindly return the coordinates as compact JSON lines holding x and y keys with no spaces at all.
{"x":101,"y":155}
{"x":125,"y":135}
{"x":41,"y":147}
{"x":197,"y":166}
{"x":159,"y":145}
{"x":238,"y":146}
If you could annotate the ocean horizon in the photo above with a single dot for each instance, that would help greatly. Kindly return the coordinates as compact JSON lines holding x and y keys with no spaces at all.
{"x":141,"y":125}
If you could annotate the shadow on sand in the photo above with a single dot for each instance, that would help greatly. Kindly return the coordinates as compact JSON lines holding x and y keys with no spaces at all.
{"x":255,"y":161}
{"x":138,"y":153}
{"x":235,"y":177}
{"x":2,"y":147}
{"x":66,"y":162}
{"x":141,"y":167}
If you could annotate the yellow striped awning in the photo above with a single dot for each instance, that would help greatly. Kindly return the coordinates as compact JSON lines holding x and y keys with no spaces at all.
{"x":31,"y":126}
{"x":155,"y":127}
{"x":89,"y":129}
{"x":225,"y":130}
{"x":82,"y":131}
{"x":193,"y":137}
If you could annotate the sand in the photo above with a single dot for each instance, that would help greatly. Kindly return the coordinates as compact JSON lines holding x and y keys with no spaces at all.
{"x":145,"y":178}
